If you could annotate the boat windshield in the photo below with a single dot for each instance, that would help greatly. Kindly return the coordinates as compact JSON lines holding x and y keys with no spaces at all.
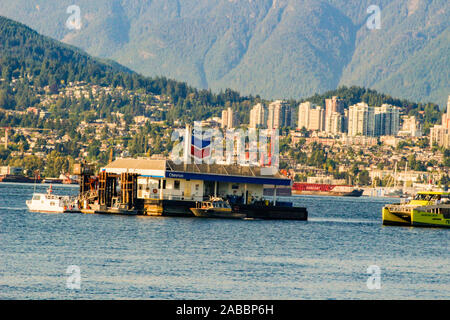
{"x":427,"y":197}
{"x":36,"y":197}
{"x":221,"y":204}
{"x":206,"y":205}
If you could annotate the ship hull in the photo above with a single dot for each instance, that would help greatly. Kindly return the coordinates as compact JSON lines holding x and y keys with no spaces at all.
{"x":19,"y":179}
{"x":218,"y":214}
{"x":395,"y":218}
{"x":426,"y":219}
{"x":354,"y":193}
{"x":176,"y":208}
{"x":319,"y":189}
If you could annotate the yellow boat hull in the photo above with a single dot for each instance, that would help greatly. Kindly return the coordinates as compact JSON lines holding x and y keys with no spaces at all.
{"x":427,"y":219}
{"x":415,"y":218}
{"x":427,"y":209}
{"x":395,"y":219}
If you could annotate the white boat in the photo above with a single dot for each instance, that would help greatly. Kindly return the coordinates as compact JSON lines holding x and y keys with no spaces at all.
{"x":48,"y":202}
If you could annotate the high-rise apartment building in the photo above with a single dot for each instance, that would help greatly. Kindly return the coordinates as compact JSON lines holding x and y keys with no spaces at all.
{"x":387,"y":120}
{"x":410,"y":127}
{"x":440,"y":134}
{"x":334,"y":105}
{"x":317,"y":119}
{"x":311,"y":117}
{"x":334,"y":109}
{"x":303,"y":115}
{"x":258,"y":116}
{"x":373,"y":121}
{"x":446,"y":116}
{"x":334,"y":123}
{"x":229,"y":119}
{"x":361,"y":120}
{"x":279,"y":115}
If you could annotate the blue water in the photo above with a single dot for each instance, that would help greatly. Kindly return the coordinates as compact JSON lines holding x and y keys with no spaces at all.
{"x":124,"y":257}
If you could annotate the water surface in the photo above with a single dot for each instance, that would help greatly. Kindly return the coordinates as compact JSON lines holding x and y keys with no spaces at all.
{"x":122,"y":257}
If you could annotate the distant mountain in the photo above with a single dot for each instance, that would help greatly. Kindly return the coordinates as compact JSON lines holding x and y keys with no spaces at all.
{"x":274,"y":48}
{"x":35,"y":62}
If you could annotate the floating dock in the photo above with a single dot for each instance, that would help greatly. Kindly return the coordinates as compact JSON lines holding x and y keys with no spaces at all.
{"x":164,"y":188}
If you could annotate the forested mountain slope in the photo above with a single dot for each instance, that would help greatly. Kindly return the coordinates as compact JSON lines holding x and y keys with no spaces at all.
{"x":274,"y":48}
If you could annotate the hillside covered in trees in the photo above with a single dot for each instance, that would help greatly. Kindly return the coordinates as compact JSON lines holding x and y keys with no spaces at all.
{"x":62,"y":105}
{"x":32,"y":62}
{"x":275,"y":49}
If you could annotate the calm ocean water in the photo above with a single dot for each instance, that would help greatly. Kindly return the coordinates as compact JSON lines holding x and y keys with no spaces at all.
{"x":184,"y":258}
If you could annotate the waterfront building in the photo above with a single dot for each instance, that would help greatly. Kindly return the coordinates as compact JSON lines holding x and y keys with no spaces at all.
{"x":166,"y":180}
{"x":321,"y":179}
{"x":279,"y":115}
{"x":258,"y":116}
{"x":4,"y":170}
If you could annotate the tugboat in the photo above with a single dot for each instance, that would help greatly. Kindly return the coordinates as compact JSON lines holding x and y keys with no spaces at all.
{"x":216,"y":208}
{"x":50,"y":203}
{"x":426,"y":209}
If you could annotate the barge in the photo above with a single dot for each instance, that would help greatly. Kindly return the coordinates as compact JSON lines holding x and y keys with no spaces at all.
{"x":164,"y":188}
{"x":18,"y":178}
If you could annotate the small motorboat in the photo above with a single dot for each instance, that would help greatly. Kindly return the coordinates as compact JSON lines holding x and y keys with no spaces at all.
{"x":216,"y":208}
{"x":48,"y":202}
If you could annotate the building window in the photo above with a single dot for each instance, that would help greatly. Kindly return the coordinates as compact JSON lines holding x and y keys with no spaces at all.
{"x":235,"y":186}
{"x":163,"y":185}
{"x":176,"y":184}
{"x":197,"y":187}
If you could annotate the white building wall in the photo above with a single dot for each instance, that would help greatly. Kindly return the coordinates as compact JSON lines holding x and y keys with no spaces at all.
{"x":187,"y":190}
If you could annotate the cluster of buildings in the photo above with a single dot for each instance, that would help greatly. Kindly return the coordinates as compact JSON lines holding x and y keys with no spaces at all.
{"x":333,"y":119}
{"x":359,"y":120}
{"x":276,"y":116}
{"x":440,"y":134}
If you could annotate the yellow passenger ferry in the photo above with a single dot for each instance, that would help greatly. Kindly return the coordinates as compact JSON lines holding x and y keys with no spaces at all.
{"x":426,"y":209}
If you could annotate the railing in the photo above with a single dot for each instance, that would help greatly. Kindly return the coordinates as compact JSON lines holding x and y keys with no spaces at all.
{"x":436,"y":209}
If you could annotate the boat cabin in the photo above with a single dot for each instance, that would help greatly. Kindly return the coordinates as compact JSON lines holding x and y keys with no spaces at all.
{"x":430,"y":198}
{"x":214,"y":204}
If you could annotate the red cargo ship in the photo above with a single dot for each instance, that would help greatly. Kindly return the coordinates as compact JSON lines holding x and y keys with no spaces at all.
{"x":321,"y":189}
{"x":18,"y":178}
